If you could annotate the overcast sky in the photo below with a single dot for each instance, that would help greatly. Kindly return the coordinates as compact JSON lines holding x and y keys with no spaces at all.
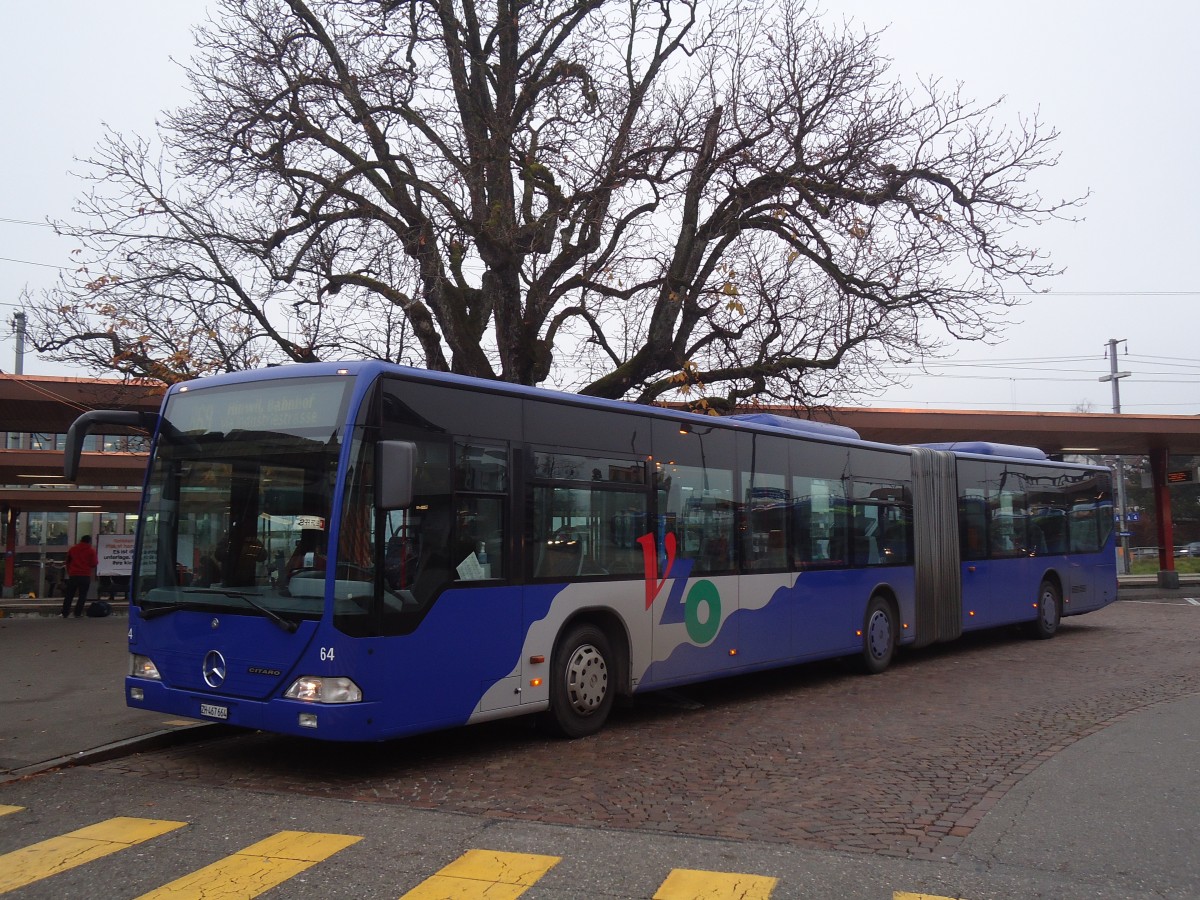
{"x":1118,"y":80}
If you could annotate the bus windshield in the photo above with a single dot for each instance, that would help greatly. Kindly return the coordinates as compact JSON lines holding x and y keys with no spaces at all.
{"x":239,"y":500}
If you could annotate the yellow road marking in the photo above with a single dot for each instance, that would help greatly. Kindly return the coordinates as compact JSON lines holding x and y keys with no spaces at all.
{"x":904,"y":895}
{"x":41,"y":860}
{"x":487,"y":874}
{"x":5,"y":810}
{"x":257,"y":868}
{"x":692,"y":884}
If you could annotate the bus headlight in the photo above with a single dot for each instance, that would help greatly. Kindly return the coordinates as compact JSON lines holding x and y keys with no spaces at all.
{"x":143,"y":667}
{"x":324,"y":689}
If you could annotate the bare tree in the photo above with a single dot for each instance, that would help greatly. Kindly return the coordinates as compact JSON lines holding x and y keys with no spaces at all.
{"x":644,"y":199}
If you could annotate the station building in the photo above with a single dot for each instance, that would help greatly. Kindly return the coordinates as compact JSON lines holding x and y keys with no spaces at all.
{"x":41,"y":515}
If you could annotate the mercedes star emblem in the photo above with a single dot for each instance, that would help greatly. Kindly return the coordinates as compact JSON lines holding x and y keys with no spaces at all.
{"x":214,"y":669}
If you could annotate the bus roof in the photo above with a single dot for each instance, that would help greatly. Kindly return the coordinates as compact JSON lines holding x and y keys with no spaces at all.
{"x":788,"y":423}
{"x":369,"y":368}
{"x":987,"y":448}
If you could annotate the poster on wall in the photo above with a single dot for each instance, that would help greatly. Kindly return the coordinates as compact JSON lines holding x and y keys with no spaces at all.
{"x":115,"y":552}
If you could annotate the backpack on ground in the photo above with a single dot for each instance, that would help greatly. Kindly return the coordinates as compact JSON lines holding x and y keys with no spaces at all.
{"x":98,"y":609}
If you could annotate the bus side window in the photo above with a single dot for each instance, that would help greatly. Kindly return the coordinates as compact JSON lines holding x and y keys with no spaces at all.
{"x":1037,"y":538}
{"x":973,"y":490}
{"x":972,"y":518}
{"x":863,"y":527}
{"x":1082,"y":528}
{"x":820,"y":515}
{"x":896,"y":536}
{"x":580,"y":531}
{"x":803,"y":538}
{"x":481,"y":484}
{"x":479,"y":532}
{"x":763,"y":489}
{"x":838,"y":552}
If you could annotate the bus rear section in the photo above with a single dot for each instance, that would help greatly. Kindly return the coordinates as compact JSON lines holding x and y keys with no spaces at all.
{"x":1035,"y":537}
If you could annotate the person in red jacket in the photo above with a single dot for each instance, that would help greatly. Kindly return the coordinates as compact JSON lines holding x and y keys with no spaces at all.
{"x":81,"y":562}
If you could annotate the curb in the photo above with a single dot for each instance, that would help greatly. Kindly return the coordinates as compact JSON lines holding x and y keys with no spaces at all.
{"x":156,"y":740}
{"x":19,"y":610}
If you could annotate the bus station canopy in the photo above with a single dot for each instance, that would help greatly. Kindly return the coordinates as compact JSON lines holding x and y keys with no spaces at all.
{"x":1055,"y":433}
{"x":31,"y":480}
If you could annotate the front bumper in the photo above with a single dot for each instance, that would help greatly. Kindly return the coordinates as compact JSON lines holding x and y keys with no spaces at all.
{"x":331,"y":722}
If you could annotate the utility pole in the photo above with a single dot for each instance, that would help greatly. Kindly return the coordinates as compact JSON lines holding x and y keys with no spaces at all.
{"x":1123,"y":519}
{"x":7,"y":512}
{"x":19,"y":333}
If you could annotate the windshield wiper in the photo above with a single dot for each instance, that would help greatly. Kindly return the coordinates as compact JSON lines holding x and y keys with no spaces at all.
{"x":286,"y":624}
{"x":155,"y":611}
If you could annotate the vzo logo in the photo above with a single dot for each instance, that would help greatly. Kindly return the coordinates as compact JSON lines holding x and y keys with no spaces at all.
{"x":700,"y":611}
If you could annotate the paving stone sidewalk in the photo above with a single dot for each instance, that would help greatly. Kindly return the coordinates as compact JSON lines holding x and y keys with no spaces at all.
{"x":903,"y":764}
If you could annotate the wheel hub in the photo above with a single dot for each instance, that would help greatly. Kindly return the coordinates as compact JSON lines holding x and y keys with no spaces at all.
{"x":879,"y":635}
{"x":1048,"y":608}
{"x":587,"y":679}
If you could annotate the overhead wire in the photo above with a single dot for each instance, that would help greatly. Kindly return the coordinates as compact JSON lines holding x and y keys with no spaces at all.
{"x":59,"y":398}
{"x":48,"y":394}
{"x":29,"y":262}
{"x":9,"y":221}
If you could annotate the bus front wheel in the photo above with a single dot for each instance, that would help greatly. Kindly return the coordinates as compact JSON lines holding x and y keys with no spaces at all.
{"x":582,"y":686}
{"x":1049,"y":611}
{"x":879,"y":635}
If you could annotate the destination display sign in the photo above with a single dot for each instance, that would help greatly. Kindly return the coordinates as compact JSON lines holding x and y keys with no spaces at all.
{"x":287,"y":405}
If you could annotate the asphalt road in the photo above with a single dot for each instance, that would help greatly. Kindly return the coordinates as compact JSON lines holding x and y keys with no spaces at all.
{"x":994,"y":767}
{"x":64,"y":693}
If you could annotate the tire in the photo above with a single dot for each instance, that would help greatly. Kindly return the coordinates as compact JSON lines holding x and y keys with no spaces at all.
{"x":1045,"y":626}
{"x":879,"y":635}
{"x":582,"y":687}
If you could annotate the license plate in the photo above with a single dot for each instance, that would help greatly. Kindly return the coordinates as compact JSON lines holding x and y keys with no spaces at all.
{"x":213,"y":711}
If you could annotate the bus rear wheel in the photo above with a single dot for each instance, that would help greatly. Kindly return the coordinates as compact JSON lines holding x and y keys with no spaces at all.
{"x":582,"y":686}
{"x":1049,"y":611}
{"x":879,"y":635}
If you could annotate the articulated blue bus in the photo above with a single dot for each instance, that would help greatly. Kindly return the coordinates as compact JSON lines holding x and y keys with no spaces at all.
{"x":361,"y":551}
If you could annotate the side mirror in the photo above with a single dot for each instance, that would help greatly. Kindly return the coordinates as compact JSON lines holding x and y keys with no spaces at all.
{"x":394,"y":464}
{"x":80,"y":427}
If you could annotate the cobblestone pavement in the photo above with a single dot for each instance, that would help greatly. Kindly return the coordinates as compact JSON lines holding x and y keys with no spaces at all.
{"x":903,"y":764}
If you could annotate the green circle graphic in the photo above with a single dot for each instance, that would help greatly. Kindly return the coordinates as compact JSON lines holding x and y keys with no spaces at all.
{"x":703,"y":592}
